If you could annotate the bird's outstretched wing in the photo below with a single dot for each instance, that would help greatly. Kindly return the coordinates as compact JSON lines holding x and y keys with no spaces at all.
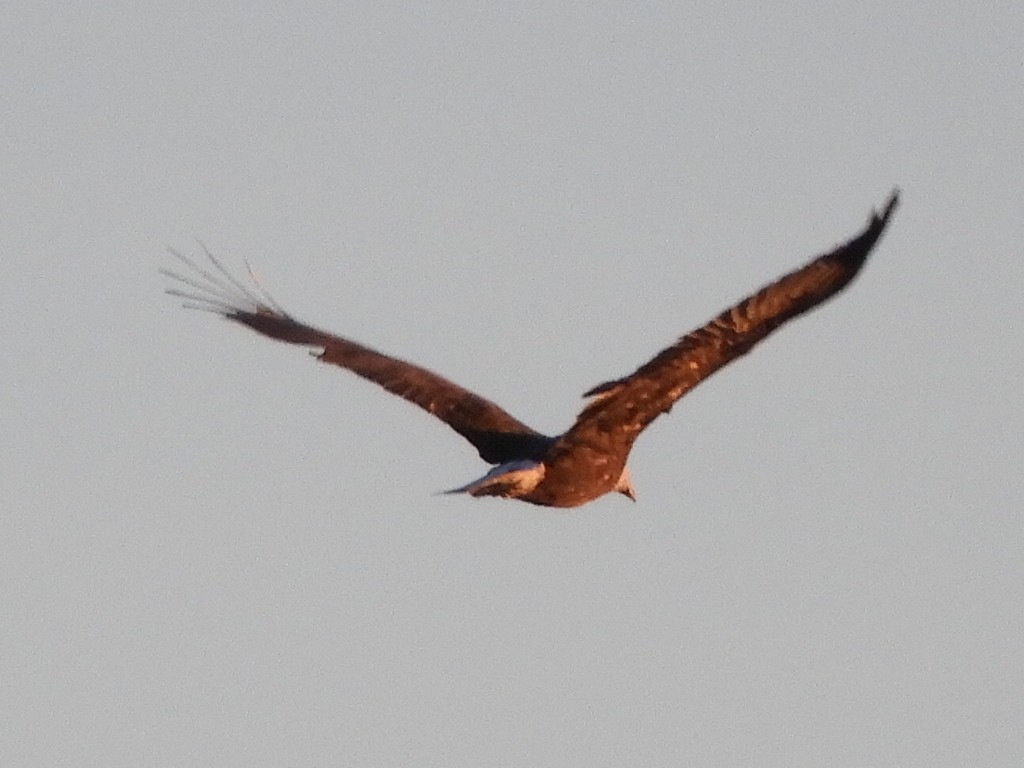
{"x":495,"y":434}
{"x":622,"y":408}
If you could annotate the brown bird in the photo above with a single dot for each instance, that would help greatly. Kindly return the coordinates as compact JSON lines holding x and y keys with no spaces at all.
{"x":589,"y":460}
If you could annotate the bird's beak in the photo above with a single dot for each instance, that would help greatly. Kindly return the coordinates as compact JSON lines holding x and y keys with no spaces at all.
{"x":624,"y":486}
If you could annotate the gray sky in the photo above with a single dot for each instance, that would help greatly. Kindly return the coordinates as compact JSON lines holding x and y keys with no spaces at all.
{"x":215,"y":552}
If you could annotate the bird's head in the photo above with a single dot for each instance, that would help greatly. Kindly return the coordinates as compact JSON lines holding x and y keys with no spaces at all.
{"x":624,"y":486}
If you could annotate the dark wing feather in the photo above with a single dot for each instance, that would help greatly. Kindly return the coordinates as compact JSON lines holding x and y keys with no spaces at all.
{"x":624,"y":407}
{"x":495,"y":434}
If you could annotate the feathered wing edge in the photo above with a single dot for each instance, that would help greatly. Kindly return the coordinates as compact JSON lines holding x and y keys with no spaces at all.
{"x":496,"y":435}
{"x":622,"y":408}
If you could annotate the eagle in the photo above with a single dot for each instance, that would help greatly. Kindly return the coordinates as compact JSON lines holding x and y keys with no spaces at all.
{"x":589,"y":459}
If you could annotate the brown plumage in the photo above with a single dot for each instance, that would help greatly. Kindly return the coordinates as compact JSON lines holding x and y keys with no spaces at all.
{"x":589,"y":460}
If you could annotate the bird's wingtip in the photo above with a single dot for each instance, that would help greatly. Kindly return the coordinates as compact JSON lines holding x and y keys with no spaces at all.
{"x":890,"y":205}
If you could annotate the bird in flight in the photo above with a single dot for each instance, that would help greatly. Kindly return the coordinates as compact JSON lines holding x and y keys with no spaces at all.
{"x":588,"y":460}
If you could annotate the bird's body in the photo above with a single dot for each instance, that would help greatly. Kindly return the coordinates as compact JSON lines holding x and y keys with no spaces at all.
{"x":589,"y":460}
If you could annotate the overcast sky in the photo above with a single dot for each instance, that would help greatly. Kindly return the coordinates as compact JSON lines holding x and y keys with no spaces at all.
{"x":214,"y":551}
